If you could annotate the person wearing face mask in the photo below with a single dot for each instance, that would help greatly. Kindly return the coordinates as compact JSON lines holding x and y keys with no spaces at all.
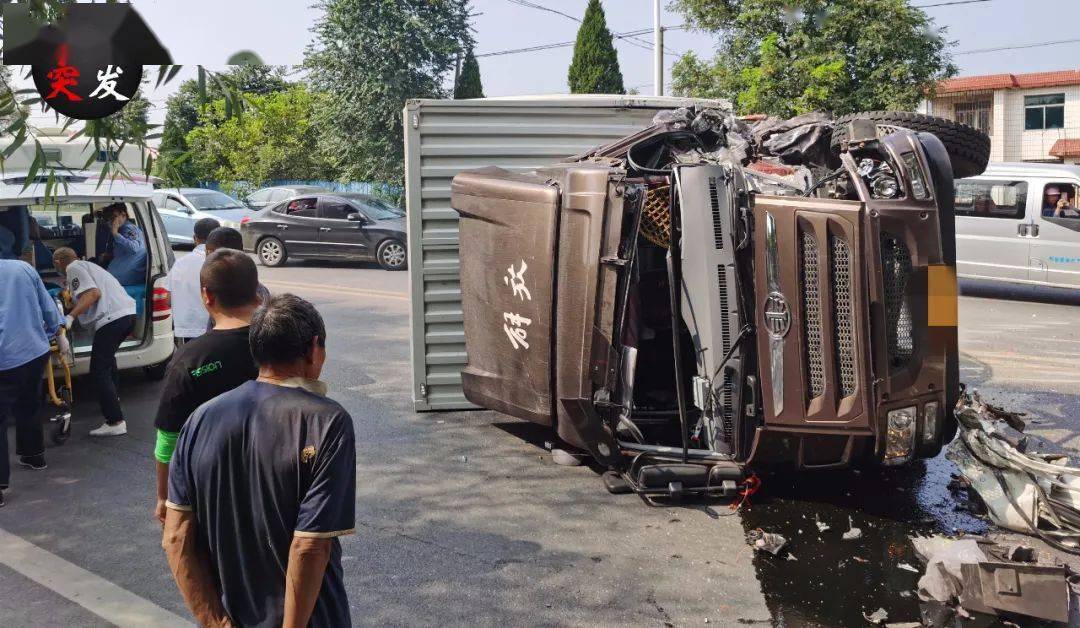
{"x":105,"y":308}
{"x":263,"y":480}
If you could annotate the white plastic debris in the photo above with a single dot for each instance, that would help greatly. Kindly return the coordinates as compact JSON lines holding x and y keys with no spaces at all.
{"x":821,"y":525}
{"x":878,"y":617}
{"x":852,"y":533}
{"x":943,"y":579}
{"x":907,"y":567}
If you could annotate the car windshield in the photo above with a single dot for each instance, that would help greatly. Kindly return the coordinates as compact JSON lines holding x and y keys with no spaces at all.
{"x":210,"y":201}
{"x":375,"y":208}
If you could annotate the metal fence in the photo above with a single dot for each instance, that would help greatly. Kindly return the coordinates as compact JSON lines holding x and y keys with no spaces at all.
{"x":242,"y":188}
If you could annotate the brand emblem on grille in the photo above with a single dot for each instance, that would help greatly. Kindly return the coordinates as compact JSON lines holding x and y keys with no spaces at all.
{"x":777,"y":315}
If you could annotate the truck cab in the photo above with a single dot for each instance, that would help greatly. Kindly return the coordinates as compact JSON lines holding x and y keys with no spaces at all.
{"x":686,"y":320}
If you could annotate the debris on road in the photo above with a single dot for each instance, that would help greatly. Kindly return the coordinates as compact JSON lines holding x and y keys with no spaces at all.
{"x":962,"y":578}
{"x":852,"y":533}
{"x":878,"y":617}
{"x":907,"y":567}
{"x":821,"y":525}
{"x":763,"y":541}
{"x":1033,"y":493}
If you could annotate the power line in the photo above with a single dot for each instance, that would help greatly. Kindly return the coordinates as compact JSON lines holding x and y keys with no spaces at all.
{"x":630,"y":39}
{"x":1018,"y":47}
{"x":562,"y":44}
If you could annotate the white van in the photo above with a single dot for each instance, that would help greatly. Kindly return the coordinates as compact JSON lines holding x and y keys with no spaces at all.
{"x":1004,"y":233}
{"x":70,"y":218}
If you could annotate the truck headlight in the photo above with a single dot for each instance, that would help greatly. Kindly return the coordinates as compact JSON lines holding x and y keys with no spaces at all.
{"x":900,"y":435}
{"x":930,"y":419}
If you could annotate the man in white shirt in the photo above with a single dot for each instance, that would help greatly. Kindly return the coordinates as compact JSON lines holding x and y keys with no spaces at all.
{"x":190,"y":318}
{"x":103,"y":306}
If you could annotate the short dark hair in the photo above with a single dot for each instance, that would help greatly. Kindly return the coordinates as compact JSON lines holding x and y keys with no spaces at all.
{"x":225,"y":238}
{"x":231,"y":277}
{"x":282,"y":330}
{"x":109,"y":211}
{"x":204,"y":226}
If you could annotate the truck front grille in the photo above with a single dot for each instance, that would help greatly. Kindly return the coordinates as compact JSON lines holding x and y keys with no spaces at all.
{"x":815,"y":362}
{"x":827,"y":308}
{"x":895,"y":273}
{"x":843,"y":324}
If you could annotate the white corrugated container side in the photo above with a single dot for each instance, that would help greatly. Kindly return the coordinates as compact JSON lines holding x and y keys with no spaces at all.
{"x":444,"y":137}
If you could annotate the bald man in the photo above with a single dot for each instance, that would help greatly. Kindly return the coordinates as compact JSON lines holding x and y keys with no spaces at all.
{"x":103,"y":307}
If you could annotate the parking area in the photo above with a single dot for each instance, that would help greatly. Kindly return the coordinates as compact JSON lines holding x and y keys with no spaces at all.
{"x":462,"y":517}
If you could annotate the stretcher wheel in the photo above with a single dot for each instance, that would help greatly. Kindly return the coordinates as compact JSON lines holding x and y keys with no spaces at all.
{"x":62,"y":431}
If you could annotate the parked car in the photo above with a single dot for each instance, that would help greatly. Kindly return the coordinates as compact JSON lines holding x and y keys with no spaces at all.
{"x":686,"y":320}
{"x":1008,"y":228}
{"x":264,"y":197}
{"x":71,"y":218}
{"x":328,"y":226}
{"x":181,"y":208}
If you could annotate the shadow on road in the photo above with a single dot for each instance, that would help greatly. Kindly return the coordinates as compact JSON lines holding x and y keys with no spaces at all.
{"x":1015,"y":292}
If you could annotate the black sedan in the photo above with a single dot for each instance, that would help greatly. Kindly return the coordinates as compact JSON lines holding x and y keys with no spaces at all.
{"x":328,"y":226}
{"x":265,"y":197}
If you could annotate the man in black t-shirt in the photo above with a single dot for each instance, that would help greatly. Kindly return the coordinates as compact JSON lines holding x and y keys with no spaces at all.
{"x":213,"y":363}
{"x":262,"y":483}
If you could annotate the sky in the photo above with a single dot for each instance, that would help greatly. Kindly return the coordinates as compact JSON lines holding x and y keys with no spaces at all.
{"x":207,"y":32}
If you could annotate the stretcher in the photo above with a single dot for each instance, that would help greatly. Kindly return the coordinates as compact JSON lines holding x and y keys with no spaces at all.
{"x":58,"y":384}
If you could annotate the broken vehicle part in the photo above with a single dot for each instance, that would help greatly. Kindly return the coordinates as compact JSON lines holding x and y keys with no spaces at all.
{"x":1030,"y":493}
{"x":1039,"y":591}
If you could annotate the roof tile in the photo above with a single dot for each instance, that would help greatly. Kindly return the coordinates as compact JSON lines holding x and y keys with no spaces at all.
{"x":985,"y":82}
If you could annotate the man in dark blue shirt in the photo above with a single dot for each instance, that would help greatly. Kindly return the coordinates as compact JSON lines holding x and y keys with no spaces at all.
{"x":262,"y":482}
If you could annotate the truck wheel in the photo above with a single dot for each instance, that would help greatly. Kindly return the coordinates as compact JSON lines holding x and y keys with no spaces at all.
{"x":271,"y":252}
{"x":969,"y":149}
{"x":391,"y":255}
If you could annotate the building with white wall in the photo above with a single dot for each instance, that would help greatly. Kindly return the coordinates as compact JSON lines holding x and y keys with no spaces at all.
{"x":63,"y":152}
{"x":1029,"y":117}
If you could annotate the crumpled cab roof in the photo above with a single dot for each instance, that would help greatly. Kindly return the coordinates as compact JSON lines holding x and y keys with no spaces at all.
{"x":72,"y":186}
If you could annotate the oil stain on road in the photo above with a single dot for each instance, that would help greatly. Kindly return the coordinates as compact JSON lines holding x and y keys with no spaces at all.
{"x":822,"y":579}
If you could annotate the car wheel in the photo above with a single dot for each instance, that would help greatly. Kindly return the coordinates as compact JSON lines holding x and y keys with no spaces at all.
{"x":391,"y":255}
{"x":272,"y":252}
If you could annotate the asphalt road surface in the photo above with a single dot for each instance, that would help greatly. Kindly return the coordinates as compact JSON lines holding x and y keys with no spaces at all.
{"x":463,"y":519}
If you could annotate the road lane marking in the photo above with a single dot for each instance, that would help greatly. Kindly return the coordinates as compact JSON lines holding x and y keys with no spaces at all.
{"x":338,"y":290}
{"x":108,"y":601}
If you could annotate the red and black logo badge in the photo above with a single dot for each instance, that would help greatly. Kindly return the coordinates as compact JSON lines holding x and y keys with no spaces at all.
{"x":85,"y":91}
{"x":88,"y":64}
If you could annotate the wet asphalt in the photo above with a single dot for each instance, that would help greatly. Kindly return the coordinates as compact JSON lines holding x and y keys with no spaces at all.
{"x":463,"y":519}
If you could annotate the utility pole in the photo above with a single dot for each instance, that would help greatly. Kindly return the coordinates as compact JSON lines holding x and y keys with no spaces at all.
{"x":658,"y":51}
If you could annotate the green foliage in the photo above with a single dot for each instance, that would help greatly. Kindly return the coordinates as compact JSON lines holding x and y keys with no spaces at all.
{"x":367,"y":59}
{"x":273,"y":139}
{"x":468,"y":83}
{"x":595,"y":67}
{"x":182,"y":111}
{"x":786,"y":57}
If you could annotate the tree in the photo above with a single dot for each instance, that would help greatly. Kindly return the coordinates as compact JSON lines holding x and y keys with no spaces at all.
{"x":182,"y":111}
{"x":786,"y":57}
{"x":367,"y":58}
{"x":273,"y":139}
{"x":595,"y":67}
{"x":468,"y":82}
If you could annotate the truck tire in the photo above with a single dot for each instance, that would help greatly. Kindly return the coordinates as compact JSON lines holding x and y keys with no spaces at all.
{"x":969,"y":149}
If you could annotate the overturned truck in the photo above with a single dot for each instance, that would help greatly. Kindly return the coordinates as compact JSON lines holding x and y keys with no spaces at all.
{"x":672,"y":306}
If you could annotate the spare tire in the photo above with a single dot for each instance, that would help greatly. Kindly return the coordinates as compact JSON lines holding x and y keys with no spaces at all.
{"x":969,"y":149}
